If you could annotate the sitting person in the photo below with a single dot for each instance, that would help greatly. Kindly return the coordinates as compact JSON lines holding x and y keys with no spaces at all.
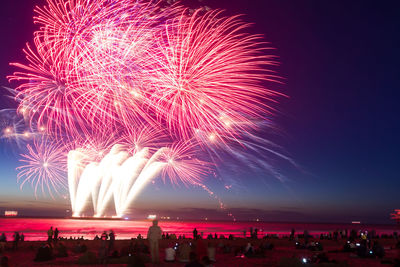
{"x":378,"y":250}
{"x":78,"y":248}
{"x":4,"y":261}
{"x":127,"y":250}
{"x":114,"y":255}
{"x":322,"y":258}
{"x":44,"y":253}
{"x":194,"y":262}
{"x":211,"y":251}
{"x":170,"y":253}
{"x":249,"y":250}
{"x":142,"y":248}
{"x":266,"y":246}
{"x":226,"y":249}
{"x":184,"y":252}
{"x":315,"y":246}
{"x":362,"y":250}
{"x":61,"y":250}
{"x":207,"y":262}
{"x":201,"y":249}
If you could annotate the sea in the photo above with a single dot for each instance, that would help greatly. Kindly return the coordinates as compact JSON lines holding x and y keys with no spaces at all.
{"x":35,"y":229}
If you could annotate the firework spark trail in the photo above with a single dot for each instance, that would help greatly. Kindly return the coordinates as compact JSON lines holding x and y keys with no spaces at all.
{"x":158,"y":80}
{"x":222,"y":205}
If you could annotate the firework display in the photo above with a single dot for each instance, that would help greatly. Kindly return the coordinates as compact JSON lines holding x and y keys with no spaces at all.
{"x":117,"y":93}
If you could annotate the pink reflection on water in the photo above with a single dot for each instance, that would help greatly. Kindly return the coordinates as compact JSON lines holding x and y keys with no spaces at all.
{"x":36,"y":228}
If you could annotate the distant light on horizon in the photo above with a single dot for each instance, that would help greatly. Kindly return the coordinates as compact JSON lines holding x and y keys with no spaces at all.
{"x":151,"y":216}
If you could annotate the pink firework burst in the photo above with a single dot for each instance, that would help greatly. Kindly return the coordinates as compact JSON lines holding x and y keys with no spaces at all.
{"x":44,"y":94}
{"x":209,"y":76}
{"x":45,"y":166}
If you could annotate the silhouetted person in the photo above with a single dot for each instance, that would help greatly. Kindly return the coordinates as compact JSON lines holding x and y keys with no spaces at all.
{"x":112,"y":240}
{"x":61,"y":250}
{"x":16,"y":240}
{"x":44,"y":253}
{"x":50,"y":233}
{"x":184,"y":252}
{"x":3,"y":237}
{"x":154,"y":235}
{"x":194,"y":262}
{"x":56,"y":232}
{"x":3,"y":241}
{"x":206,"y":262}
{"x":291,"y":237}
{"x":249,"y":250}
{"x":378,"y":250}
{"x":306,"y":237}
{"x":195,"y":233}
{"x":4,"y":261}
{"x":103,"y":248}
{"x":201,"y":249}
{"x":335,"y":235}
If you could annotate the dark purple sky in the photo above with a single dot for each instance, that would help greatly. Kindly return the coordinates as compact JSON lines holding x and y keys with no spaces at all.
{"x":340,"y":61}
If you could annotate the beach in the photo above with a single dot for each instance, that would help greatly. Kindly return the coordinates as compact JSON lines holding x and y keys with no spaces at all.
{"x":230,"y":244}
{"x":282,"y":252}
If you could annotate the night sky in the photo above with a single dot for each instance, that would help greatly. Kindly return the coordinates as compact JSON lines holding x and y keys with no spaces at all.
{"x":339,"y":63}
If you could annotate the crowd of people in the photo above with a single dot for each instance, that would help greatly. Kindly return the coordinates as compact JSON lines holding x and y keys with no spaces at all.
{"x":197,"y":250}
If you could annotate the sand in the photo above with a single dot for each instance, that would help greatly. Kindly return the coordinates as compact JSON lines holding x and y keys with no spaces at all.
{"x":283,"y":248}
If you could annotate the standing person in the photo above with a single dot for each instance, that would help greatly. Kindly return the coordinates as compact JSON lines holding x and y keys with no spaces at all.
{"x":50,"y":233}
{"x":56,"y":234}
{"x":292,"y":234}
{"x":16,"y":240}
{"x":195,"y":233}
{"x":112,"y":239}
{"x":103,"y":248}
{"x":306,"y":237}
{"x":104,"y":236}
{"x":3,"y":240}
{"x":153,"y":235}
{"x":22,"y":237}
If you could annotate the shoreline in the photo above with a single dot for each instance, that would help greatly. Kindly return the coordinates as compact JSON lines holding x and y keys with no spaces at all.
{"x":394,"y":225}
